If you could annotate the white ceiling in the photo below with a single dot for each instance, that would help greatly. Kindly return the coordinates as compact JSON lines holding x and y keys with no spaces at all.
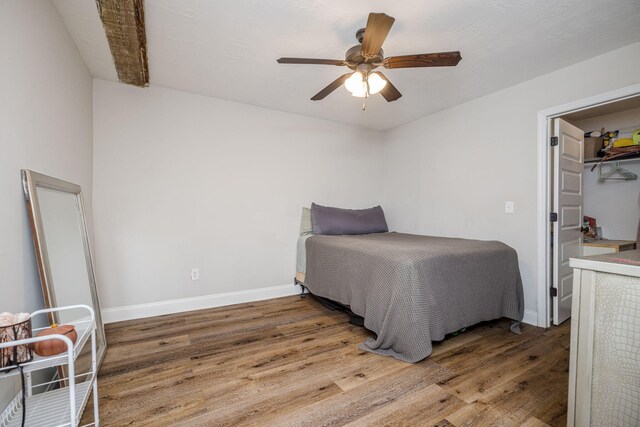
{"x":228,"y":49}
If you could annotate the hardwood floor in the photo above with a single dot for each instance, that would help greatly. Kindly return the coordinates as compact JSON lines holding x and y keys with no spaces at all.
{"x":291,"y":361}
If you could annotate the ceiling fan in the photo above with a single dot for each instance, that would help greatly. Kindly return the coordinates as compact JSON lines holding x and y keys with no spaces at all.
{"x":367,"y":56}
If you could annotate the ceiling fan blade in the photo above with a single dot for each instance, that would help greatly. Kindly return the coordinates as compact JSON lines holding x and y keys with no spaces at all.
{"x":389,"y":91}
{"x":331,"y":87}
{"x":441,"y":59}
{"x":311,"y":61}
{"x":378,"y":26}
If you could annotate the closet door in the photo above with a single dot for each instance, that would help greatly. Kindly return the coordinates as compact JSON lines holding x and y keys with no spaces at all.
{"x":568,"y":162}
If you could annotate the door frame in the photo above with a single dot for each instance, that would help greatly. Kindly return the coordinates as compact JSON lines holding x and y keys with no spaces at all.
{"x":543,"y":239}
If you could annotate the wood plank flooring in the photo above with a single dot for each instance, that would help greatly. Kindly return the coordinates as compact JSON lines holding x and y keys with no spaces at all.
{"x":290,"y":361}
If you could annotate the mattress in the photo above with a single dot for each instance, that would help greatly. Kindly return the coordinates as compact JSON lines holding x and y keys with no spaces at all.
{"x":412,"y":290}
{"x":301,"y":257}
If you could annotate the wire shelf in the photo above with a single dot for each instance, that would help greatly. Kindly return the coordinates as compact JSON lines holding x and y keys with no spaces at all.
{"x":48,"y":409}
{"x":63,"y":406}
{"x":83,"y":328}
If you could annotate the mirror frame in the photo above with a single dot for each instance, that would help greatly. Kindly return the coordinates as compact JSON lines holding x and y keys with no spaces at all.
{"x":30,"y":181}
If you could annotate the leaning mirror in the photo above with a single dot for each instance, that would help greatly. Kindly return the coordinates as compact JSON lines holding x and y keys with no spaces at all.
{"x":62,"y":249}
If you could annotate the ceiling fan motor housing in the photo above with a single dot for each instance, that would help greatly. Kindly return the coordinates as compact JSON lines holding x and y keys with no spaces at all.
{"x":354,"y":57}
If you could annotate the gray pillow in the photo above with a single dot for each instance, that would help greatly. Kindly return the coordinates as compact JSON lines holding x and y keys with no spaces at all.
{"x":336,"y":221}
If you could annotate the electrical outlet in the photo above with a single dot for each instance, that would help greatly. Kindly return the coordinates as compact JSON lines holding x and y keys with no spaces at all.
{"x":195,"y":273}
{"x":509,"y":207}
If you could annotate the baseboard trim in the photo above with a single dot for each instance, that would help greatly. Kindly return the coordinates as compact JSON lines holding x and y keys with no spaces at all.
{"x":139,"y":311}
{"x":530,"y":317}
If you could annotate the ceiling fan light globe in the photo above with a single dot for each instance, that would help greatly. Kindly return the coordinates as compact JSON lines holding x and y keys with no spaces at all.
{"x":376,"y":83}
{"x":360,"y":91}
{"x":354,"y":83}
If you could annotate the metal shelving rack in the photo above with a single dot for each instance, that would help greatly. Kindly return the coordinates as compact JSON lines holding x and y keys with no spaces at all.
{"x":61,"y":406}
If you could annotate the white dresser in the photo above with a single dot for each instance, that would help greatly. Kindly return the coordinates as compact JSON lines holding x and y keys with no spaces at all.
{"x":601,"y":247}
{"x":604,"y":373}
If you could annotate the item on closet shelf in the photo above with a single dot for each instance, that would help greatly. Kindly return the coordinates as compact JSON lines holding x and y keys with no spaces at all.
{"x":592,"y":146}
{"x":53,"y":347}
{"x":616,"y":173}
{"x":15,"y":327}
{"x":623,"y":142}
{"x":594,"y":134}
{"x":618,"y":153}
{"x":607,"y":139}
{"x":608,"y":136}
{"x":601,"y":142}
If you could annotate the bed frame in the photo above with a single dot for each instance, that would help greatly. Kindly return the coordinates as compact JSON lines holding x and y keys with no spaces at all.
{"x":354,"y":319}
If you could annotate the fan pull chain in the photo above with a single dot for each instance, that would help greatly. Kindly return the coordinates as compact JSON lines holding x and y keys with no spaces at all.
{"x":366,"y":91}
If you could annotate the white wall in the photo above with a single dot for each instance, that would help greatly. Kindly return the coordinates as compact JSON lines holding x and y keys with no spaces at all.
{"x":45,"y":125}
{"x":614,"y":204}
{"x":185,"y":181}
{"x":449,"y":173}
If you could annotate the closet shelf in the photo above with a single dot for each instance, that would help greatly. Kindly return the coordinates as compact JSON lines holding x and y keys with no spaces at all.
{"x":591,"y":162}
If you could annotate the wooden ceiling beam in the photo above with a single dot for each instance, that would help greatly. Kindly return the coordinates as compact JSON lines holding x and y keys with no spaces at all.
{"x":123,"y":22}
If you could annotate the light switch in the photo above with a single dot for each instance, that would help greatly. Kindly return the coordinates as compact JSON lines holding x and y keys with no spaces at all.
{"x":509,"y":207}
{"x":195,"y":274}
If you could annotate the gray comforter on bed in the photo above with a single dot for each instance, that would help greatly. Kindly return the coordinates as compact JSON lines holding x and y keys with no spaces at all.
{"x":412,"y":290}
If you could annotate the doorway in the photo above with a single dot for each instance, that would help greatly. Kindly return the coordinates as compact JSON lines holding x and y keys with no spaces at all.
{"x":611,"y":101}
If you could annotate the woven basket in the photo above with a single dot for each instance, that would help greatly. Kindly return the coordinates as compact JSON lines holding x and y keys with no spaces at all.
{"x":11,"y":356}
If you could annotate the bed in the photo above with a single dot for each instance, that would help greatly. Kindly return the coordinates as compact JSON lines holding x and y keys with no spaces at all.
{"x":410,"y":289}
